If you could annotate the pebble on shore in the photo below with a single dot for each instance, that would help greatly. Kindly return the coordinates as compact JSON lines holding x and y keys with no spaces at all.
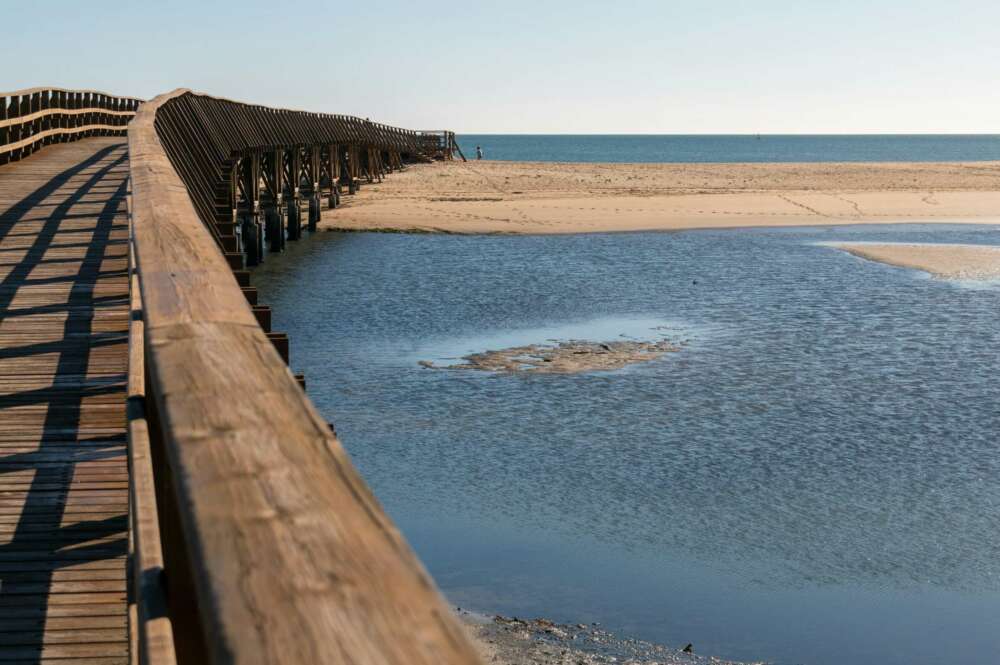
{"x":513,"y":641}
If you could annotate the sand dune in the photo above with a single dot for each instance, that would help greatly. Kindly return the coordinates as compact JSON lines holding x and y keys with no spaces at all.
{"x":526,"y":197}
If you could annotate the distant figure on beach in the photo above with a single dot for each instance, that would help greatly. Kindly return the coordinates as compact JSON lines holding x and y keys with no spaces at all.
{"x":479,"y":152}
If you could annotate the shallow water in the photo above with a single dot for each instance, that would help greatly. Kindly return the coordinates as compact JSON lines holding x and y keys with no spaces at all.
{"x":812,"y":479}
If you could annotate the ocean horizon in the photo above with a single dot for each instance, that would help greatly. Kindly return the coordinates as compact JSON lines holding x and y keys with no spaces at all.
{"x":733,"y":148}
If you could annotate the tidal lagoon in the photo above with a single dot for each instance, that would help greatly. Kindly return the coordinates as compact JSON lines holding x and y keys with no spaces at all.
{"x":810,"y":478}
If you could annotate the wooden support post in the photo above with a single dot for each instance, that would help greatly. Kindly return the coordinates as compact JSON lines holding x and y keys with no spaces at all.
{"x":263,"y":314}
{"x":294,"y":173}
{"x":335,"y":175}
{"x":272,"y":173}
{"x":280,"y":342}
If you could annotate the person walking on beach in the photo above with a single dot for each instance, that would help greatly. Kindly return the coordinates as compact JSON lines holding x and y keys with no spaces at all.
{"x":479,"y":152}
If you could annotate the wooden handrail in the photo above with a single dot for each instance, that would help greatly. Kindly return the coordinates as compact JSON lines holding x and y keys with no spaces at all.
{"x":152,"y":640}
{"x":275,"y":549}
{"x":57,"y":111}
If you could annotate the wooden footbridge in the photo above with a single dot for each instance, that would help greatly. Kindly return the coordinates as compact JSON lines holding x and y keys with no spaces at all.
{"x":168,"y":492}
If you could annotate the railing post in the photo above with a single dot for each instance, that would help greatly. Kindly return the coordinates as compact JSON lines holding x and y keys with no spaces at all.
{"x":45,"y":122}
{"x":4,"y":131}
{"x":76,"y":119}
{"x":189,"y":640}
{"x":25,"y":110}
{"x":60,"y":103}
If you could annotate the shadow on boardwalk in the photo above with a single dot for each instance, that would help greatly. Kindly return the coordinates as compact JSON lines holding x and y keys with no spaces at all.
{"x":63,"y":355}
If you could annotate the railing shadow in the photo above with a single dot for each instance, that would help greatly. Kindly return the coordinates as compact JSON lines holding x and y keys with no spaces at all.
{"x":40,"y":543}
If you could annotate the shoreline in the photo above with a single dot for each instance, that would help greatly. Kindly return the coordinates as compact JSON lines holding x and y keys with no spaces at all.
{"x":421,"y":230}
{"x":502,"y":640}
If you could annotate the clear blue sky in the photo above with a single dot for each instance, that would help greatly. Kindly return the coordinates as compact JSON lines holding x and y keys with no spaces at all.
{"x":541,"y":66}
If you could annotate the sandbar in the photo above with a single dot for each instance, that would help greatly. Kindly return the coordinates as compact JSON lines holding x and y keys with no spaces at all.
{"x":973,"y":262}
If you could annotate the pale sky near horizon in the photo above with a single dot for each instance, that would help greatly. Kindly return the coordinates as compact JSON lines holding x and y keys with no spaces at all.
{"x":559,"y":66}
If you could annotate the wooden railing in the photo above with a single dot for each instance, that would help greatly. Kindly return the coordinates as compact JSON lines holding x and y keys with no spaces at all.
{"x":273,"y":548}
{"x":33,"y":118}
{"x":151,"y":630}
{"x":250,"y":169}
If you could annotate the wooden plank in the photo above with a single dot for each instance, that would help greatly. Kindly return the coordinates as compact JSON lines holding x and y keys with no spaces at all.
{"x":63,"y":623}
{"x":73,"y":651}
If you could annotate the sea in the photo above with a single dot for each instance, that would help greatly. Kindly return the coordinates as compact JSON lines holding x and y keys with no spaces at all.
{"x":813,"y":478}
{"x":675,"y":148}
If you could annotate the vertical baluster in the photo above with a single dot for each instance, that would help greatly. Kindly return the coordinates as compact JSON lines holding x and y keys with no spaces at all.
{"x":88,"y":102}
{"x":81,"y":118}
{"x":116,"y":105}
{"x":45,"y":122}
{"x":76,"y":118}
{"x":15,"y":133}
{"x":68,"y":120}
{"x":4,"y":131}
{"x":30,"y":106}
{"x":24,"y":108}
{"x":59,"y":120}
{"x":106,"y":117}
{"x":102,"y":101}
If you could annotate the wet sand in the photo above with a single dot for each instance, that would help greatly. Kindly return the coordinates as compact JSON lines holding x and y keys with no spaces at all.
{"x":946,"y":261}
{"x":530,"y":197}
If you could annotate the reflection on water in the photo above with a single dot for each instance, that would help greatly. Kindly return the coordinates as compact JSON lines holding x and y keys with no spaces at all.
{"x":813,"y":479}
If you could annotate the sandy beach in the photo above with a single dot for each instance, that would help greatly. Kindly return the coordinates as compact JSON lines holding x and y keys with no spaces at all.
{"x":535,"y":197}
{"x":942,"y":260}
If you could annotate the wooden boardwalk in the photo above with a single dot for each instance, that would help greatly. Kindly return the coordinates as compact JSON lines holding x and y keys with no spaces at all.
{"x":63,"y":363}
{"x":168,"y":492}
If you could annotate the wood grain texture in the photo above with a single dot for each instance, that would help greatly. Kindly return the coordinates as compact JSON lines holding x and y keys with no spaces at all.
{"x":152,"y":639}
{"x":63,"y":360}
{"x":294,"y":560}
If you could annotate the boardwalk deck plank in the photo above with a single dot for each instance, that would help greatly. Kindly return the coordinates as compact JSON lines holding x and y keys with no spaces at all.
{"x":63,"y":365}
